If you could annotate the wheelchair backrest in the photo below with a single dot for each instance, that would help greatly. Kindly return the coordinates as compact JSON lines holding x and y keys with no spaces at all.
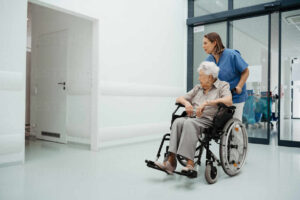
{"x":223,"y":115}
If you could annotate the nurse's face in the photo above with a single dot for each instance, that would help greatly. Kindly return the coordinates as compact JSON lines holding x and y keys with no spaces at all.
{"x":208,"y":46}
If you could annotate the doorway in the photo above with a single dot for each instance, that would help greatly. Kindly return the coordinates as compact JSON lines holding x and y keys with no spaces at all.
{"x":61,"y":75}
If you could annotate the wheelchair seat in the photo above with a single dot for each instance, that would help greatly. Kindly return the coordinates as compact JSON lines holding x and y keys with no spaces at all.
{"x":228,"y":132}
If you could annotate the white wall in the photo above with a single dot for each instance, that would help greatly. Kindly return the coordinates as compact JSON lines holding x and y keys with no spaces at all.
{"x":79,"y":61}
{"x":142,"y":67}
{"x":12,"y":80}
{"x":142,"y":62}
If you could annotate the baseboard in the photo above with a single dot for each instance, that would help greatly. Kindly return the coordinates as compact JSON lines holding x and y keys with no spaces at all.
{"x":9,"y":164}
{"x":11,"y":144}
{"x":11,"y":159}
{"x":130,"y":131}
{"x":132,"y":134}
{"x":134,"y":140}
{"x":79,"y":140}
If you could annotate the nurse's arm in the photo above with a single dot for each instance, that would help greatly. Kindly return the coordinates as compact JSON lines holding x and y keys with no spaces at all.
{"x":244,"y":77}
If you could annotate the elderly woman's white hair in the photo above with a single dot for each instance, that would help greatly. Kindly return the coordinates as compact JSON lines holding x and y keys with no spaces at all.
{"x":209,"y":68}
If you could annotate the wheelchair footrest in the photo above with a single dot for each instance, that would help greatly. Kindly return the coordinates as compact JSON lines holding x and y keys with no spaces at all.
{"x":189,"y":174}
{"x":151,"y":164}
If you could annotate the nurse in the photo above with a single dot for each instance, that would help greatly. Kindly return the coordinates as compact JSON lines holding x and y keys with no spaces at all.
{"x":233,"y":69}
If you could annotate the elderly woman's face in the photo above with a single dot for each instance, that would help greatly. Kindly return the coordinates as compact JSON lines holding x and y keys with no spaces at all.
{"x":208,"y":46}
{"x":206,"y":81}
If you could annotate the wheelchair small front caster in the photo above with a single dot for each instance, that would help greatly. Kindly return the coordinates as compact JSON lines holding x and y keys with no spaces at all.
{"x":211,"y":173}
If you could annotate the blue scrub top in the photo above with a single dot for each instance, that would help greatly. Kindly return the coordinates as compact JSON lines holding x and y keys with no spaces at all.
{"x":231,"y":66}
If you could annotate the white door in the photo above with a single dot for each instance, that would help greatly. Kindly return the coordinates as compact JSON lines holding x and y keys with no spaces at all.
{"x":50,"y":87}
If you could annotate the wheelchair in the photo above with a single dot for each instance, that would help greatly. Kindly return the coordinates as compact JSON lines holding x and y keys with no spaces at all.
{"x":228,"y":132}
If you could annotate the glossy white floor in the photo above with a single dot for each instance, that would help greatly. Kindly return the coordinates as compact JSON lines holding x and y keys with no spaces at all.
{"x":55,"y":171}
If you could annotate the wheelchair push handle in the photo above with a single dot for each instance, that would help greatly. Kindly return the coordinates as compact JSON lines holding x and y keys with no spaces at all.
{"x":233,"y":90}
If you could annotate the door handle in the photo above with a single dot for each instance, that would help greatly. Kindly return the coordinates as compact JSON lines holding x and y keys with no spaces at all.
{"x":62,"y":83}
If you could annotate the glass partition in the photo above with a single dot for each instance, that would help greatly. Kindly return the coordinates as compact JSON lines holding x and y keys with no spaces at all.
{"x":250,"y":38}
{"x":290,"y":81}
{"x":204,"y":7}
{"x":243,"y":3}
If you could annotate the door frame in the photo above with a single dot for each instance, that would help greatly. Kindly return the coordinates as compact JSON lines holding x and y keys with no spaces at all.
{"x":281,"y":142}
{"x":228,"y":16}
{"x":93,"y":142}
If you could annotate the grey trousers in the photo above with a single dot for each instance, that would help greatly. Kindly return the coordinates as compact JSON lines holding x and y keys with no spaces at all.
{"x":184,"y":135}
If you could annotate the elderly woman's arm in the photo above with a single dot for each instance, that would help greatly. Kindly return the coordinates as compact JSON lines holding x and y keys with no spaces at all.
{"x":227,"y":100}
{"x":187,"y":104}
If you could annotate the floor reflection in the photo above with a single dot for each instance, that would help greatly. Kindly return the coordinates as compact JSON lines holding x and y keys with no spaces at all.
{"x":290,"y":129}
{"x":257,"y":130}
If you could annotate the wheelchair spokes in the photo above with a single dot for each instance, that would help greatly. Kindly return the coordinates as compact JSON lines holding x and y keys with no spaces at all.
{"x":233,"y":148}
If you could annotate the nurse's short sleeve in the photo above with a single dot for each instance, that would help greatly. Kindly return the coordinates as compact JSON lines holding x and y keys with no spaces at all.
{"x":240,"y":63}
{"x":190,"y":95}
{"x":210,"y":58}
{"x":225,"y":90}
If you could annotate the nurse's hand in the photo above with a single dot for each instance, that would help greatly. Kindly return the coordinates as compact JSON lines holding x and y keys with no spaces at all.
{"x":238,"y":90}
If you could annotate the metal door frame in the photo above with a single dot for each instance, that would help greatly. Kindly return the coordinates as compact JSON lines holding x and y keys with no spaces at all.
{"x":288,"y":143}
{"x":236,"y":14}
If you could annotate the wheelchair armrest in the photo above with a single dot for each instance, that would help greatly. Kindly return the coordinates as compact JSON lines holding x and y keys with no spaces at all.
{"x":179,"y":105}
{"x":174,"y":116}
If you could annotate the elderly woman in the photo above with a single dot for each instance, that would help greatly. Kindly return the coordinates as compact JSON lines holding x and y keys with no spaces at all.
{"x":201,"y":106}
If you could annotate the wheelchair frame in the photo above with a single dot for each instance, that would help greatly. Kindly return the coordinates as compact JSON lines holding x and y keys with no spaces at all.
{"x":209,"y":135}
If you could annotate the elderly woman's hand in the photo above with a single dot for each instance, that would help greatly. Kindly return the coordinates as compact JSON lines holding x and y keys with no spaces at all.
{"x":189,"y":109}
{"x":200,"y":109}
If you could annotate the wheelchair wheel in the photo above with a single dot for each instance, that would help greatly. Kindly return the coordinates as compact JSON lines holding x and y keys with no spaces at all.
{"x":211,"y":173}
{"x":233,"y":147}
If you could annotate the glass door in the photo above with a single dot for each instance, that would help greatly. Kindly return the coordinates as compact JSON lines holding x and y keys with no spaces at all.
{"x":289,"y":60}
{"x":251,"y":38}
{"x":246,"y":26}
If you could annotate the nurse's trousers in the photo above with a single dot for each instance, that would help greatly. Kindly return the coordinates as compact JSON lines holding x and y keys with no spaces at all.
{"x":184,"y":135}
